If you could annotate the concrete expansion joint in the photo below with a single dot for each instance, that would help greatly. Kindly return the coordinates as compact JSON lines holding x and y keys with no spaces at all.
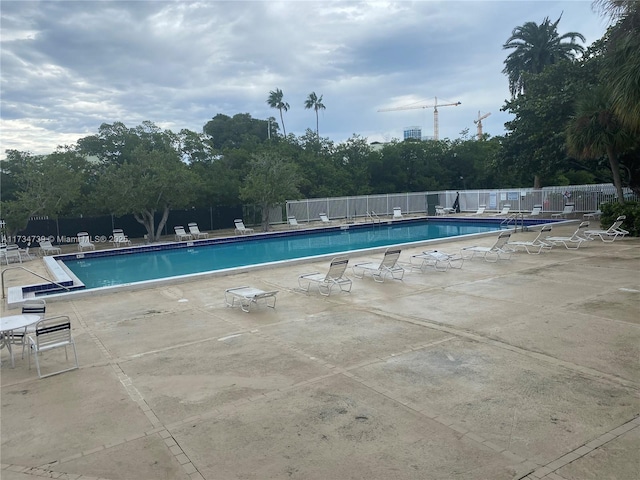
{"x":548,"y":471}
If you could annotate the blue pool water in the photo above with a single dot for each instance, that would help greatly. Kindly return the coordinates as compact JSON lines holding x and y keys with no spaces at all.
{"x":104,"y":269}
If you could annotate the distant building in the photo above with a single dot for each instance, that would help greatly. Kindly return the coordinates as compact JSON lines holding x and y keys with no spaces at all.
{"x":413,"y":132}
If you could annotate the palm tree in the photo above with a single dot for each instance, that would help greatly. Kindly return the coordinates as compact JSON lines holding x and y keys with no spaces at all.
{"x":534,"y":47}
{"x":622,"y":59}
{"x":315,"y":102}
{"x":595,"y":131}
{"x":275,"y":101}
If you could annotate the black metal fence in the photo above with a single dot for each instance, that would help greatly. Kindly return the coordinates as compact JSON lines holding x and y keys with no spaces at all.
{"x":65,"y":230}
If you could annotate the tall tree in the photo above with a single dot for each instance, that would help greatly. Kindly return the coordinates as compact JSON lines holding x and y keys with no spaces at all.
{"x":622,"y":59}
{"x":315,"y":102}
{"x":595,"y":131}
{"x":275,"y":100}
{"x":534,"y":47}
{"x":270,"y":182}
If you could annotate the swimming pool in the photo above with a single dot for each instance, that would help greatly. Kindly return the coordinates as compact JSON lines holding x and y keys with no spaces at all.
{"x":157,"y":262}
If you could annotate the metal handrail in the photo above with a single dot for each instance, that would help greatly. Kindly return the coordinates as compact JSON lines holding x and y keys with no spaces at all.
{"x":33,"y":273}
{"x":373,"y":216}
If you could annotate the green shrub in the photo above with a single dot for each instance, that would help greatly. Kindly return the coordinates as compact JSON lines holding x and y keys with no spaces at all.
{"x":611,"y":211}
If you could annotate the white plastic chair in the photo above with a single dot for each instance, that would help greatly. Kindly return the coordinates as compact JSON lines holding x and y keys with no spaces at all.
{"x":119,"y":238}
{"x":52,"y":333}
{"x":85,"y":242}
{"x":324,"y":219}
{"x":47,"y":249}
{"x":293,"y":223}
{"x":240,"y":228}
{"x":195,"y":231}
{"x":181,"y":234}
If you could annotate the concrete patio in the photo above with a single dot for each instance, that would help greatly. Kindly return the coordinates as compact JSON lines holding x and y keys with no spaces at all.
{"x":520,"y":369}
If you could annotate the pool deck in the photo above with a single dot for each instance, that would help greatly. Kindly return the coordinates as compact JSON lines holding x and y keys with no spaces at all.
{"x":526,"y":368}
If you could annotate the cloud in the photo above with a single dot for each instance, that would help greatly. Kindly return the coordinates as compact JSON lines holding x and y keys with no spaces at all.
{"x":68,"y":66}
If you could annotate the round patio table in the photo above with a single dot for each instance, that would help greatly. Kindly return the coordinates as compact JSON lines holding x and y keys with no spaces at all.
{"x":14,"y":322}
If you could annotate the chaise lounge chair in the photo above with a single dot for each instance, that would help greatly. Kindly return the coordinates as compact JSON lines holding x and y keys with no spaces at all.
{"x":119,"y":238}
{"x":85,"y":242}
{"x":195,"y":231}
{"x":574,"y":241}
{"x":325,"y":282}
{"x":611,"y":233}
{"x":536,"y":211}
{"x":505,"y":210}
{"x":535,"y":246}
{"x":480,"y":211}
{"x":293,"y":223}
{"x":240,"y":228}
{"x":388,"y":266}
{"x":593,"y":215}
{"x":181,"y":234}
{"x":493,"y":253}
{"x":47,"y":249}
{"x":440,"y":261}
{"x":566,"y":212}
{"x":324,"y":219}
{"x":397,"y":212}
{"x":247,"y":296}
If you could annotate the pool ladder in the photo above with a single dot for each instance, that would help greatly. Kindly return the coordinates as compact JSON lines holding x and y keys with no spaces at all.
{"x":373,"y":216}
{"x":513,"y":219}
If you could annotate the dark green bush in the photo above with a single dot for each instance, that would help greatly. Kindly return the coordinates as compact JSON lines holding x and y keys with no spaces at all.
{"x":611,"y":211}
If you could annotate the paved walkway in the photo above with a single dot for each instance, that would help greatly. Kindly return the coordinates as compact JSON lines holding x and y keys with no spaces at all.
{"x":522,"y":369}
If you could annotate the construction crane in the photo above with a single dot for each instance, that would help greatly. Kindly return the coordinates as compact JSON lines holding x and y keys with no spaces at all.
{"x":435,"y":112}
{"x":479,"y":123}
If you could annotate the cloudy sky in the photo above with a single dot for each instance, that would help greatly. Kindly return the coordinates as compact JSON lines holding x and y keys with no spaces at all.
{"x":69,"y":66}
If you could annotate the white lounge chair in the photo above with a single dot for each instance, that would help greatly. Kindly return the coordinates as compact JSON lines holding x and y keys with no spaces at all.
{"x":195,"y":231}
{"x":440,"y":261}
{"x":84,"y":242}
{"x":611,"y":233}
{"x":574,"y":241}
{"x":119,"y":238}
{"x":593,"y":215}
{"x":397,"y":212}
{"x":240,"y":228}
{"x":536,"y":211}
{"x":535,"y":246}
{"x":480,"y":211}
{"x":181,"y":234}
{"x":293,"y":223}
{"x":497,"y":251}
{"x":247,"y":296}
{"x":440,"y":210}
{"x":51,"y":333}
{"x":506,"y":208}
{"x":47,"y":249}
{"x":388,"y":266}
{"x":324,"y":219}
{"x":325,"y":282}
{"x":566,"y":212}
